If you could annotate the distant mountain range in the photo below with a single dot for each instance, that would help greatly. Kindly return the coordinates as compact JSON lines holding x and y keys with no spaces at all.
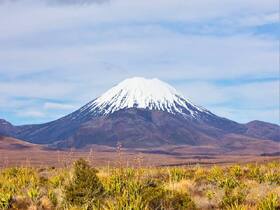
{"x":143,"y":113}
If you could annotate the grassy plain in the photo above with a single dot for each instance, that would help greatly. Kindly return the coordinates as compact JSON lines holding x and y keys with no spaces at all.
{"x":78,"y":185}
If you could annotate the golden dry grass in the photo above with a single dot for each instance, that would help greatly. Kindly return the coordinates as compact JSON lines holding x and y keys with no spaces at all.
{"x":234,"y":186}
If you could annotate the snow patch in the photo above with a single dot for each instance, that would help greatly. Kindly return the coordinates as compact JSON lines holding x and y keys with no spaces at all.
{"x":139,"y":92}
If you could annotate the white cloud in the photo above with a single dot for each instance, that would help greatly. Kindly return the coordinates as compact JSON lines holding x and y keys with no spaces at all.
{"x":247,"y":115}
{"x":58,"y":106}
{"x":253,"y":95}
{"x":190,"y":56}
{"x":31,"y":113}
{"x":17,"y":19}
{"x":242,"y":103}
{"x":36,"y":89}
{"x":258,"y":20}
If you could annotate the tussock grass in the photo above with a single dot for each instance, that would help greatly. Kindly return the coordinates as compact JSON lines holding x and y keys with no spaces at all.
{"x":235,"y":187}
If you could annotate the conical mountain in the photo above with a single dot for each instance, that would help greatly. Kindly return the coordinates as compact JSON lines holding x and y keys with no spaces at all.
{"x":137,"y":112}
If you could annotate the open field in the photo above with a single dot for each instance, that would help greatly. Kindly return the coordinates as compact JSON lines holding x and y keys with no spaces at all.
{"x":99,"y":157}
{"x":79,"y":186}
{"x":15,"y":152}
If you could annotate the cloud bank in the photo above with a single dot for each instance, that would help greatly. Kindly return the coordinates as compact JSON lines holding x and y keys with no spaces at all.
{"x":56,"y":55}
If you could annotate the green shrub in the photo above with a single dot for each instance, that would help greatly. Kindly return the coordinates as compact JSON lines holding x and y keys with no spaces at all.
{"x":236,"y":171}
{"x":229,"y":183}
{"x":271,"y":202}
{"x":53,"y":198}
{"x":215,"y":174}
{"x":200,"y":175}
{"x":129,"y":192}
{"x":117,"y":182}
{"x":57,"y":181}
{"x":178,"y":201}
{"x":33,"y":193}
{"x":85,"y":187}
{"x":256,"y":173}
{"x":272,"y":177}
{"x":5,"y":200}
{"x":233,"y":197}
{"x":238,"y":207}
{"x":176,"y":174}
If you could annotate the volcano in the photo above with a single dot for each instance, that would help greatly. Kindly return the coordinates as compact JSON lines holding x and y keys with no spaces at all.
{"x":143,"y":113}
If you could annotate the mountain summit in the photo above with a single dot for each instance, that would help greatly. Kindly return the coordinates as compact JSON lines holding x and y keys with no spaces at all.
{"x":139,"y":113}
{"x":138,"y":92}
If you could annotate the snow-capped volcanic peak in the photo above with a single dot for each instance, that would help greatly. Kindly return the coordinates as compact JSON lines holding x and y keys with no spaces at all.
{"x":143,"y":93}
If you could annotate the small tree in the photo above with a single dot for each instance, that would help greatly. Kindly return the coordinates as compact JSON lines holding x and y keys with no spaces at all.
{"x":85,"y":188}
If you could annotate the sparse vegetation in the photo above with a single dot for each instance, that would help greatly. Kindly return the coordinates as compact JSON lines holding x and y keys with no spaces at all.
{"x":236,"y":187}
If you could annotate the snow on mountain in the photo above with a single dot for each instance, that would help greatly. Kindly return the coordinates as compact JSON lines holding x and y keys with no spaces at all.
{"x":138,"y":92}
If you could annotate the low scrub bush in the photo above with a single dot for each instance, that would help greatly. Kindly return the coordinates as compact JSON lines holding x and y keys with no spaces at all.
{"x":5,"y":200}
{"x":271,"y":202}
{"x":84,"y":187}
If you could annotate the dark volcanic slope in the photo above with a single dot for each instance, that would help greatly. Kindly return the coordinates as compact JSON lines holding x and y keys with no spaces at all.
{"x":142,"y":128}
{"x":264,"y":130}
{"x":133,"y":127}
{"x":6,"y":128}
{"x":137,"y":128}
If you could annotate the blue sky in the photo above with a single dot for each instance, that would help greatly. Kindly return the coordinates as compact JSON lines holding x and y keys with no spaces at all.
{"x":56,"y":55}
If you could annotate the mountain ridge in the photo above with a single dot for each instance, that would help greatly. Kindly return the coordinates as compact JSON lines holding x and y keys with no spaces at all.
{"x":145,"y":113}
